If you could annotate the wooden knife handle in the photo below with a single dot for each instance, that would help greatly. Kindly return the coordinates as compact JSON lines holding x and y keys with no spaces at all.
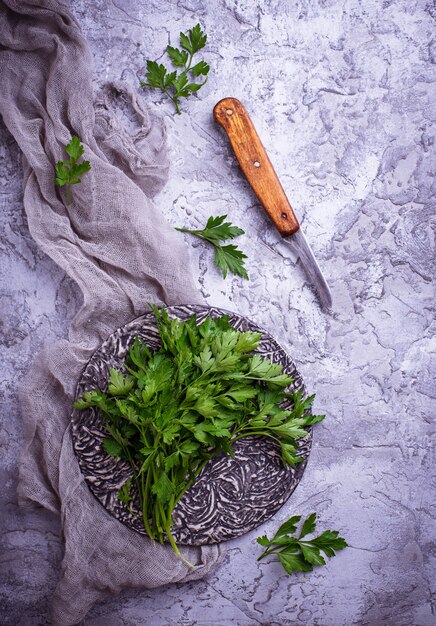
{"x":253,"y":159}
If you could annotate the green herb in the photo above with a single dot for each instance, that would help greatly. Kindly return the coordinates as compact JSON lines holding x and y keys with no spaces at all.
{"x":227,"y":258}
{"x":173,"y":409}
{"x":68,"y":172}
{"x":177,"y":85}
{"x":124,"y":493}
{"x":298,"y":555}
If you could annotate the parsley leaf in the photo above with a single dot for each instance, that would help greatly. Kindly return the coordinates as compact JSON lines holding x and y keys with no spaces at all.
{"x":297,"y":555}
{"x":112,"y":447}
{"x":227,"y":258}
{"x":178,"y":57}
{"x":197,"y":39}
{"x":216,"y":230}
{"x":119,"y":385}
{"x":174,"y":85}
{"x":68,"y":172}
{"x":163,"y":488}
{"x":308,"y":526}
{"x":201,"y":69}
{"x":230,"y":258}
{"x":156,"y":74}
{"x":124,"y":493}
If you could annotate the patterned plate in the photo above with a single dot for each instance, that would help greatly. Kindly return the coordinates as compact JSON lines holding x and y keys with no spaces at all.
{"x":231,"y":495}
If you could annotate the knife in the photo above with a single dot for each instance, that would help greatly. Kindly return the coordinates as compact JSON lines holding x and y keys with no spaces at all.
{"x":253,"y":159}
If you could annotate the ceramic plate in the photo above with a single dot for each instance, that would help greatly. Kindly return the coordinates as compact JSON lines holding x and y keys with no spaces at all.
{"x":231,"y":495}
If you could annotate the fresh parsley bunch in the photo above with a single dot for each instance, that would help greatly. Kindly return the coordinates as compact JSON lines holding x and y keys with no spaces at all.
{"x":179,"y":85}
{"x":175,"y":408}
{"x":68,"y":172}
{"x":296,"y":553}
{"x":229,"y":257}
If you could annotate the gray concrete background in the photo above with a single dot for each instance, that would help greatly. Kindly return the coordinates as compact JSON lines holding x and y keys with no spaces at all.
{"x":340,"y":92}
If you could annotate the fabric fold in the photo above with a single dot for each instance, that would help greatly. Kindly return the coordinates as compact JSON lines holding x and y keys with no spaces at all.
{"x":116,"y":245}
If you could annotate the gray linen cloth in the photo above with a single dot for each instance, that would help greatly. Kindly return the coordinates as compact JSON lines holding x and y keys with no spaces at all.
{"x":121,"y":252}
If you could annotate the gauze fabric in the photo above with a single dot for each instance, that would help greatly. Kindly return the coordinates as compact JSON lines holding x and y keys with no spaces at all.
{"x":116,"y":245}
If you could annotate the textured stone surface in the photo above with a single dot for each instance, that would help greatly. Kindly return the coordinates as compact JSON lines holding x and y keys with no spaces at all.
{"x":340,"y":94}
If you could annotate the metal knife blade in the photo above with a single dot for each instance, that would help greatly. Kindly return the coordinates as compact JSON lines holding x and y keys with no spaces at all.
{"x":302,"y":249}
{"x":254,"y":161}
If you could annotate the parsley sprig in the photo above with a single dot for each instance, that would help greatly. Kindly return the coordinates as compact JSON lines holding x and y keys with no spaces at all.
{"x":229,"y":257}
{"x":296,"y":553}
{"x":68,"y":172}
{"x":170,"y":411}
{"x":177,"y":85}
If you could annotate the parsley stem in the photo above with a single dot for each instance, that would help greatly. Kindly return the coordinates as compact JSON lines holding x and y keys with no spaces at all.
{"x":197,"y":233}
{"x":167,"y":528}
{"x":158,"y":518}
{"x":144,"y":496}
{"x":273,"y":550}
{"x":170,"y":509}
{"x":188,"y":67}
{"x":174,"y":100}
{"x":249,"y":432}
{"x":176,"y":549}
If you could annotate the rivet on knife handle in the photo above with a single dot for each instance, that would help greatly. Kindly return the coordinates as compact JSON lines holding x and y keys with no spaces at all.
{"x":253,"y":159}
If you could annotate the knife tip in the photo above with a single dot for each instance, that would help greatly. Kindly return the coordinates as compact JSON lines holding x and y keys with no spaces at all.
{"x":326,"y":301}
